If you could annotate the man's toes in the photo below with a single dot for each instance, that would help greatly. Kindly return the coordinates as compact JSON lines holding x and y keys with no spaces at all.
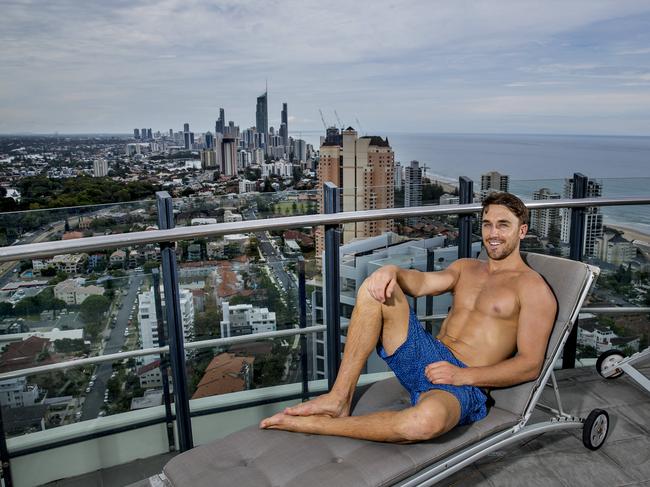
{"x":274,"y":420}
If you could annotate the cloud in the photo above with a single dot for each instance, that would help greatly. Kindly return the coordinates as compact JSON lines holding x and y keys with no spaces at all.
{"x":387,"y":63}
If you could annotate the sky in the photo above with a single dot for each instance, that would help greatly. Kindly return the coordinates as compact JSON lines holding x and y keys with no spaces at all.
{"x":560,"y":67}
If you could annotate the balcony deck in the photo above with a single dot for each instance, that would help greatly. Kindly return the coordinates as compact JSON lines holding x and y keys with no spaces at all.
{"x":551,"y":459}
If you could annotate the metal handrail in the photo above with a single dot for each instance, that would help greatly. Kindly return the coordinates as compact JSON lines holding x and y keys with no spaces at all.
{"x":42,"y":249}
{"x":218,"y":342}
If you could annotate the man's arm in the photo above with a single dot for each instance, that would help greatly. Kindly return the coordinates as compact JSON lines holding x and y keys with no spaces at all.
{"x":536,"y":318}
{"x":412,"y":282}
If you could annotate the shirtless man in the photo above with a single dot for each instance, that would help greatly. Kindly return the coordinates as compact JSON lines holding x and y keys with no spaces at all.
{"x":495,"y":335}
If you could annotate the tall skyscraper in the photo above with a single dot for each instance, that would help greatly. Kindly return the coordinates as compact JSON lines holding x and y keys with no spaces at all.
{"x":136,"y":133}
{"x":300,"y":150}
{"x":593,"y":217}
{"x":143,"y":134}
{"x":398,"y":176}
{"x":186,"y":136}
{"x":208,"y":139}
{"x":221,"y":122}
{"x":412,"y":187}
{"x":262,"y":118}
{"x":363,"y":167}
{"x":494,"y":181}
{"x":543,"y":221}
{"x":284,"y":126}
{"x":149,"y":134}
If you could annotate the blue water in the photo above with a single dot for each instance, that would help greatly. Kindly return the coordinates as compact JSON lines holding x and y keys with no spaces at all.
{"x":622,"y":164}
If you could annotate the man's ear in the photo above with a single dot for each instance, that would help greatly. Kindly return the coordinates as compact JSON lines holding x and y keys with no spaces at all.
{"x":523,"y":230}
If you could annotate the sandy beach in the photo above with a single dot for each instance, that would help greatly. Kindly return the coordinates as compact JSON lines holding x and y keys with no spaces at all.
{"x":630,"y":233}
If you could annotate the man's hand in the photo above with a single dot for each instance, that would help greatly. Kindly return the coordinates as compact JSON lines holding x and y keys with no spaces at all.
{"x":382,"y":282}
{"x":445,"y":373}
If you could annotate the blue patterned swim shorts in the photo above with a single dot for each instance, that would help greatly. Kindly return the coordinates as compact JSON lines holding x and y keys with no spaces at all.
{"x":419,"y":350}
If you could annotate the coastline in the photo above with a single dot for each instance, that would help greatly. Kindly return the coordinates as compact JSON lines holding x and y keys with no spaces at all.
{"x":630,"y":233}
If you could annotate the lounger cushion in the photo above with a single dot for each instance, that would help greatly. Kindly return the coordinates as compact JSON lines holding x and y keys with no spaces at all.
{"x":254,"y":457}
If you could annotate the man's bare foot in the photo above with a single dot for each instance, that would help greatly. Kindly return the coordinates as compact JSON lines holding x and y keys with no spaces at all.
{"x":325,"y":405}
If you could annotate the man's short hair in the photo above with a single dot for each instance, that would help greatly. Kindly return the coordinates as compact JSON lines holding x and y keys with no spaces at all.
{"x":510,"y":201}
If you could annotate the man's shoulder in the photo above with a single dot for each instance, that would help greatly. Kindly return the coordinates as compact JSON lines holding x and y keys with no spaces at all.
{"x":531,"y":283}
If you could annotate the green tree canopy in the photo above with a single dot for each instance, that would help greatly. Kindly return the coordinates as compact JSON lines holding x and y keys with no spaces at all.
{"x":93,"y":308}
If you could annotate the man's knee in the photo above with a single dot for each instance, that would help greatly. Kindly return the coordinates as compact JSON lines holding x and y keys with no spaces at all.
{"x":420,"y":424}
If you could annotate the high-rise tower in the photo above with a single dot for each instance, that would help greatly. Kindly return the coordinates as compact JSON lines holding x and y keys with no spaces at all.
{"x":593,"y":217}
{"x":284,"y":126}
{"x":413,"y":187}
{"x":221,"y":122}
{"x":262,"y":118}
{"x":364,"y":168}
{"x":494,"y":181}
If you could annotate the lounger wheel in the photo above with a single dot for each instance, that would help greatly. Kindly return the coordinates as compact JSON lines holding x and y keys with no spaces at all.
{"x":606,"y":362}
{"x":595,"y":429}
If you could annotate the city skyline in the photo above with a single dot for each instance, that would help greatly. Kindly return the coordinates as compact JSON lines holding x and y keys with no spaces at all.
{"x":503,"y":67}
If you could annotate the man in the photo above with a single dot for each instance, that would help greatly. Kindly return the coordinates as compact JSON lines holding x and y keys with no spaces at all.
{"x":495,"y":335}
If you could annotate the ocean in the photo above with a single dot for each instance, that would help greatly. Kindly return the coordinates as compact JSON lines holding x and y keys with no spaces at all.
{"x":622,"y":164}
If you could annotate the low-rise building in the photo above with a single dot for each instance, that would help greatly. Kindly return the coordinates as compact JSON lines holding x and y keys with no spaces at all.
{"x":117,"y":258}
{"x":612,"y":248}
{"x":73,"y":292}
{"x":245,"y":319}
{"x":16,"y":393}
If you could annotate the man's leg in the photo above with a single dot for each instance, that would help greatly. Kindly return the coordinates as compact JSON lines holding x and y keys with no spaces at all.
{"x":370,"y":320}
{"x":435,"y":413}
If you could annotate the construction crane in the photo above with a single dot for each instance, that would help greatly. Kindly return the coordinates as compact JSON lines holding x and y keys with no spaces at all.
{"x":359,"y":125}
{"x":322,"y":119}
{"x":338,"y":120}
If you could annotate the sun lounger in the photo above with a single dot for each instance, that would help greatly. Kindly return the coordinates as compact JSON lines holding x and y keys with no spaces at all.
{"x":254,"y":457}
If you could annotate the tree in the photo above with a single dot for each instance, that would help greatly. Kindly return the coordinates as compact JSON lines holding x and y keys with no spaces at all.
{"x":93,"y":308}
{"x":207,"y":324}
{"x":6,"y":309}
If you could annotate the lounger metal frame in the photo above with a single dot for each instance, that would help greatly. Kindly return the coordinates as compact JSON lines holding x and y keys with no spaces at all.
{"x":522,"y":430}
{"x":613,"y":369}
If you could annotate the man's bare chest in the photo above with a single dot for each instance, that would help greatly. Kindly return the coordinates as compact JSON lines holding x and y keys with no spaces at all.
{"x":493,"y":297}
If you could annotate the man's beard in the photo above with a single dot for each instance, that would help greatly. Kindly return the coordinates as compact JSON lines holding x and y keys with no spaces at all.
{"x":504,"y":249}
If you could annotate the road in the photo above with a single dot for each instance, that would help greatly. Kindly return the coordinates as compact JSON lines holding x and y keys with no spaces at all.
{"x":95,"y":398}
{"x":273,"y":257}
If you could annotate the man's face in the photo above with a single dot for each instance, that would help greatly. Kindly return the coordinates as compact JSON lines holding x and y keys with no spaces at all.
{"x":501,"y":231}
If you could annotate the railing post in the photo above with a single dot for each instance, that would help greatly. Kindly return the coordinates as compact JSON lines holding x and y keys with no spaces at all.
{"x":431,"y":266}
{"x":7,"y":480}
{"x":332,"y":283}
{"x":576,"y":242}
{"x":302,"y":306}
{"x":164,"y":360}
{"x":175,"y":323}
{"x":466,"y":195}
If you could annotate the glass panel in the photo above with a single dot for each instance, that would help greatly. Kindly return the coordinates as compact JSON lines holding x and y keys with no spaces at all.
{"x":51,"y":399}
{"x":237,"y":297}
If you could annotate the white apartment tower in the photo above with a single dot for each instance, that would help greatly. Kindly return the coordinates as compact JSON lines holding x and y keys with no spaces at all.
{"x":543,"y":220}
{"x":100,"y":168}
{"x":148,"y":323}
{"x":494,"y":181}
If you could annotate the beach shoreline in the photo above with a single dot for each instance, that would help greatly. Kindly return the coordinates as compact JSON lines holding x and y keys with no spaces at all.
{"x":630,"y":233}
